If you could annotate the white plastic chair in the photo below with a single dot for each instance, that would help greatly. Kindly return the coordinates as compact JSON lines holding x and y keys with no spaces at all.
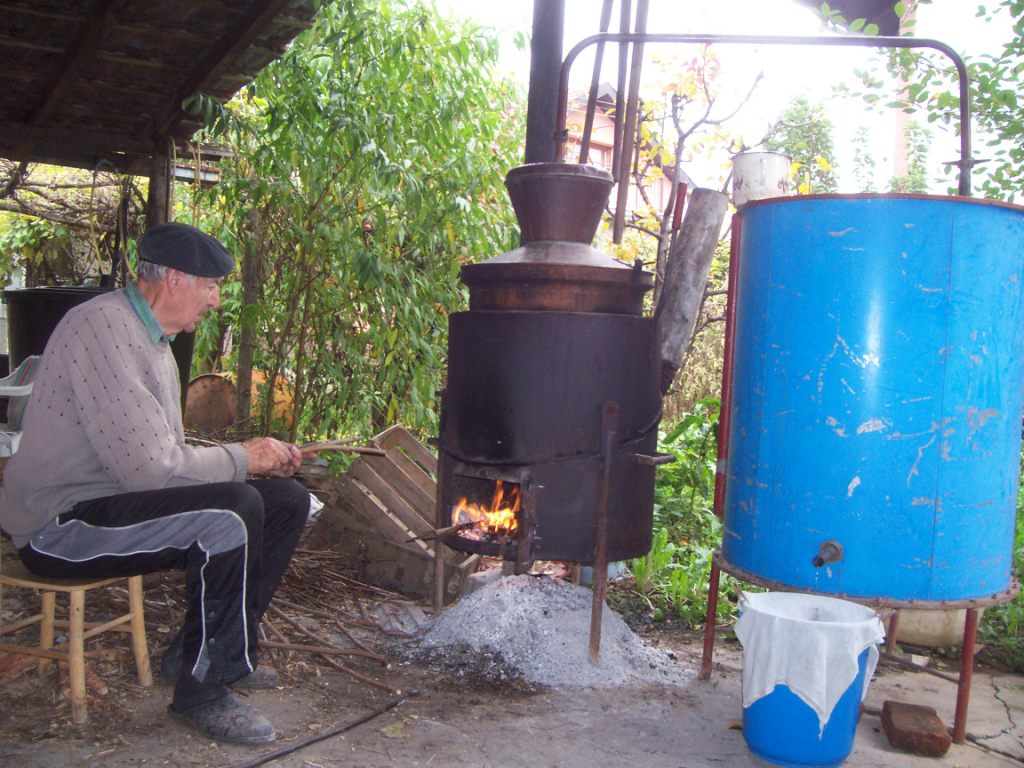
{"x":16,"y":388}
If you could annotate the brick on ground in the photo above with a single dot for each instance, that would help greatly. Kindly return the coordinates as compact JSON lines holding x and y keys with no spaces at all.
{"x":915,"y":728}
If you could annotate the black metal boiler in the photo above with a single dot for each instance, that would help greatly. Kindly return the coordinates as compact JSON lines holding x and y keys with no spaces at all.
{"x":549,"y":419}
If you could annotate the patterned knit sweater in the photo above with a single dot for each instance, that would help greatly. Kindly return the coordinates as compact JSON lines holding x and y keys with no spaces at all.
{"x":104,"y":417}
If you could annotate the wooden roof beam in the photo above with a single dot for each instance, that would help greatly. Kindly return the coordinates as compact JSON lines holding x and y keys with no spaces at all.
{"x":23,"y":135}
{"x":28,"y":9}
{"x":231,"y":44}
{"x":94,"y":29}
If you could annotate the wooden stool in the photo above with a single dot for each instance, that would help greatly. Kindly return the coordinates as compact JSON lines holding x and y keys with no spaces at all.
{"x":14,"y":574}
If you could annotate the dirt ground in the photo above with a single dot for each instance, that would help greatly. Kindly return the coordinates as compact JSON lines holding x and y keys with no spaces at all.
{"x":465,"y":714}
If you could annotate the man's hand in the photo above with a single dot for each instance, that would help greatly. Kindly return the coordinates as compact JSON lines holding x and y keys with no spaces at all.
{"x":268,"y":456}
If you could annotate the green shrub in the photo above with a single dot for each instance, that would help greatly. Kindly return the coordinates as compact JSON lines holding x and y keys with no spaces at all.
{"x":1002,"y":627}
{"x":673,"y":576}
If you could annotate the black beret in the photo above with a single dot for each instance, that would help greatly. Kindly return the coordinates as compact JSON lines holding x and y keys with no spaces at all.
{"x":186,"y":249}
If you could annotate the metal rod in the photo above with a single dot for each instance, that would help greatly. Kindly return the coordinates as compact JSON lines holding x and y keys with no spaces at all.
{"x":722,"y":456}
{"x":895,"y":658}
{"x":890,"y":636}
{"x":527,"y":526}
{"x":725,"y":403}
{"x":631,"y":122}
{"x":595,"y":82}
{"x":625,"y":12}
{"x":709,"y":624}
{"x":965,"y":163}
{"x":963,"y":686}
{"x":609,"y":429}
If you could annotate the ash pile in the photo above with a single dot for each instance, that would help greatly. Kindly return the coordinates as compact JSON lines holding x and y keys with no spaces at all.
{"x":534,"y":631}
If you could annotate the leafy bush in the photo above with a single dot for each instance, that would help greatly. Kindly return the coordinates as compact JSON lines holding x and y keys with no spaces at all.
{"x":366,"y":169}
{"x":673,"y":576}
{"x":1002,"y":627}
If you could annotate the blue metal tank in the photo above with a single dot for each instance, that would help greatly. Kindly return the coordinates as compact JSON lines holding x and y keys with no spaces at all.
{"x":874,"y":444}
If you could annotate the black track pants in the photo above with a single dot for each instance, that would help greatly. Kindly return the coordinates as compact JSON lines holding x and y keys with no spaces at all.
{"x":232,"y":540}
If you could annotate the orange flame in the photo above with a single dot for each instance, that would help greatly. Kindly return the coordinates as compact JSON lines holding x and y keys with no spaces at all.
{"x":498,"y":518}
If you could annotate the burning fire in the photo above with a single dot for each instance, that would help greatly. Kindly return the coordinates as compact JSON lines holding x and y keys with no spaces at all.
{"x":497,"y":518}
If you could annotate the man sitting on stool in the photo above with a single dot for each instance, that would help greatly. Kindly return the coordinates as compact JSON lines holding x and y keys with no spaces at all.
{"x":104,"y":484}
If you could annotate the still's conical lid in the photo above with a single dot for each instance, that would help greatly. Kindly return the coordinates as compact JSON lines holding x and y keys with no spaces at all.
{"x":559,"y":207}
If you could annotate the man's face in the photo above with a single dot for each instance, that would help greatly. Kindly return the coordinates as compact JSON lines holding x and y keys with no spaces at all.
{"x":198,"y":294}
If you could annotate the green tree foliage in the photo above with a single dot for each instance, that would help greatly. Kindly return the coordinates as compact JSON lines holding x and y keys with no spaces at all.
{"x":64,"y":226}
{"x":918,"y":139}
{"x":368,"y":166}
{"x":931,"y":90}
{"x":863,"y":161}
{"x":673,"y":576}
{"x":804,"y":132}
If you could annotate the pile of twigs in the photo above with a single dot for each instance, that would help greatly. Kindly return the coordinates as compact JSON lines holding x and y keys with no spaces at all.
{"x":319,"y":590}
{"x":321,"y":615}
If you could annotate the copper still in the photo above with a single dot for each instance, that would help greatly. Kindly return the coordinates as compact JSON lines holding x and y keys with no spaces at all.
{"x":552,"y":401}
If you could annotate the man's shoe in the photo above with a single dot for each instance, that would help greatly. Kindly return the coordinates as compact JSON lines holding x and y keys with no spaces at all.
{"x":170,"y":668}
{"x":228,"y":719}
{"x":258,"y":679}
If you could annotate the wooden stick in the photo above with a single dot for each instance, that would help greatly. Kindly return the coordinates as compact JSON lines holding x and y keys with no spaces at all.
{"x":345,"y":449}
{"x":315,"y":444}
{"x":438,"y":532}
{"x":365,"y":651}
{"x":307,"y":609}
{"x":326,"y":615}
{"x":322,"y":649}
{"x":360,"y":677}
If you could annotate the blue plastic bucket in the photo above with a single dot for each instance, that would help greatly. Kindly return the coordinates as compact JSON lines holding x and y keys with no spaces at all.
{"x":783,"y":730}
{"x":807,"y":661}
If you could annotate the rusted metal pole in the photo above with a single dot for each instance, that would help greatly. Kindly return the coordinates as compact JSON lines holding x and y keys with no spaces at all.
{"x":625,"y":14}
{"x":724,"y":411}
{"x":725,"y":403}
{"x":629,"y":127}
{"x":963,"y":686}
{"x":595,"y":82}
{"x":527,"y":526}
{"x":609,"y":430}
{"x":890,"y":635}
{"x":709,"y":624}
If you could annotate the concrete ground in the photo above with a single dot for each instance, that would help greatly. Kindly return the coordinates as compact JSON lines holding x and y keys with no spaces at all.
{"x":453,"y":718}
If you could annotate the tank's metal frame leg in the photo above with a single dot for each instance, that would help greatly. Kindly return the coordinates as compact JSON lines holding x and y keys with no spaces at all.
{"x":893,"y":628}
{"x":709,"y":624}
{"x":609,"y":429}
{"x":963,"y":685}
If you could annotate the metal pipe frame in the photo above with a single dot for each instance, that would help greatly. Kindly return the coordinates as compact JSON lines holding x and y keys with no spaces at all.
{"x":609,"y":429}
{"x":965,"y":163}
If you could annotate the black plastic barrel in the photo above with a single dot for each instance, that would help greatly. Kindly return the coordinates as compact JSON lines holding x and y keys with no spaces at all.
{"x":33,"y":313}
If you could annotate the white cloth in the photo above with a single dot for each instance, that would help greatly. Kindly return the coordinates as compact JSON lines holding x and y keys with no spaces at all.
{"x":315,"y":507}
{"x":809,"y":643}
{"x":9,"y":443}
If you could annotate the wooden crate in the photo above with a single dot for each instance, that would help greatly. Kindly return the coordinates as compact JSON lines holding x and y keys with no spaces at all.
{"x":381,"y":504}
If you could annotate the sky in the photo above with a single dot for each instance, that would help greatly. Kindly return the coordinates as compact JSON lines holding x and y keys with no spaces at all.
{"x":788,"y":71}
